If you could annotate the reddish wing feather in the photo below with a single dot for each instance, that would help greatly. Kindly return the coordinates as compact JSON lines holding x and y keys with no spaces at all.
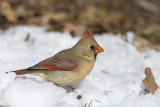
{"x":56,"y":64}
{"x":50,"y":66}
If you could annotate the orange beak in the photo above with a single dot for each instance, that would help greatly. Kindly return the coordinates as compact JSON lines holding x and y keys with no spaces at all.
{"x":99,"y":50}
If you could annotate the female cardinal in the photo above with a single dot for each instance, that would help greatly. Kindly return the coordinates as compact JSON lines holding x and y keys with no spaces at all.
{"x":68,"y":66}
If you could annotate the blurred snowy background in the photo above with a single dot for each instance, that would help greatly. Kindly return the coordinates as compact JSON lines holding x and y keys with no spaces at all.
{"x":100,"y":16}
{"x":33,"y":30}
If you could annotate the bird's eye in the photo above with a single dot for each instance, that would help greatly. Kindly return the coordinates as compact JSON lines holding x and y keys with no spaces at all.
{"x":92,"y":47}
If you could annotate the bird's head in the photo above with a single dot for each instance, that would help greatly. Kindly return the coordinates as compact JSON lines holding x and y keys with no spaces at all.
{"x":87,"y":46}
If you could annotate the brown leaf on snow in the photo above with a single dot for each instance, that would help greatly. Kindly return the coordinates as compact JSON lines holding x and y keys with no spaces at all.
{"x":149,"y":81}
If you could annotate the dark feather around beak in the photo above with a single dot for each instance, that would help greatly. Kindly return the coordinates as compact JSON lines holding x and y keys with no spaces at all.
{"x":96,"y":50}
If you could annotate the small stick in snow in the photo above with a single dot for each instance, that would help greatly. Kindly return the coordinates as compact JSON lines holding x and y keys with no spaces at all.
{"x":149,"y":82}
{"x":27,"y":37}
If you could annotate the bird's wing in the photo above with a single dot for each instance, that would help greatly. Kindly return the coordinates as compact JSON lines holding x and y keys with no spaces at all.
{"x":56,"y":64}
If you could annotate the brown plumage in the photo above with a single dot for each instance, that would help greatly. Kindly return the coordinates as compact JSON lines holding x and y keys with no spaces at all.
{"x":68,"y":66}
{"x":149,"y":81}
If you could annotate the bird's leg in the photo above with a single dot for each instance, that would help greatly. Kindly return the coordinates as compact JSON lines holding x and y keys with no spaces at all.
{"x":68,"y":88}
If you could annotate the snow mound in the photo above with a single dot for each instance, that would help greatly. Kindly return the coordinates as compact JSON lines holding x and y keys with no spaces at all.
{"x":115,"y":81}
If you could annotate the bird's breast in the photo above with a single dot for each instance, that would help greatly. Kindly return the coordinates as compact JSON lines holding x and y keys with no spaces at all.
{"x":85,"y":68}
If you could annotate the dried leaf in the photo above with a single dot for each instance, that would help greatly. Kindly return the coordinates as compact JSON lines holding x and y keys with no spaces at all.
{"x":149,"y":82}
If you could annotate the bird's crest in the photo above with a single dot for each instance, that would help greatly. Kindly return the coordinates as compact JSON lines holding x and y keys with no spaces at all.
{"x":86,"y":34}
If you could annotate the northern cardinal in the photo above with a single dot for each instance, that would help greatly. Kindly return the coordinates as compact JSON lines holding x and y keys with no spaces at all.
{"x":68,"y":66}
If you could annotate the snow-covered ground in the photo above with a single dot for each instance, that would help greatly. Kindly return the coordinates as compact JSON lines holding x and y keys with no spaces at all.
{"x":115,"y":81}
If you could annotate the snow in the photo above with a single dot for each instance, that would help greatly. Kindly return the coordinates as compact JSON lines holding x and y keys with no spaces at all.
{"x":115,"y":81}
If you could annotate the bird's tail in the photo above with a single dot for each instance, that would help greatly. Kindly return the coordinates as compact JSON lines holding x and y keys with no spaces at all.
{"x":20,"y":72}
